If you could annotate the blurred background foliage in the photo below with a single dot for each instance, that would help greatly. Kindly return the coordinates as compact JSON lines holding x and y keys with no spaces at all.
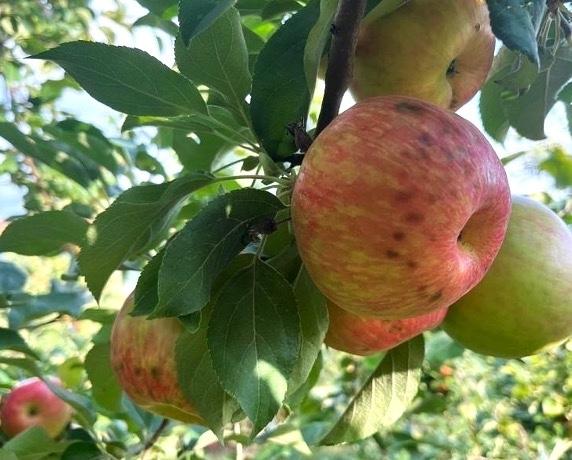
{"x":468,"y":407}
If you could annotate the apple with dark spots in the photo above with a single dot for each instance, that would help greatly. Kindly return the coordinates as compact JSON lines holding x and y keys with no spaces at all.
{"x":399,"y":209}
{"x":32,"y":403}
{"x":524,"y":303}
{"x":437,"y":50}
{"x":363,"y":335}
{"x":143,"y":359}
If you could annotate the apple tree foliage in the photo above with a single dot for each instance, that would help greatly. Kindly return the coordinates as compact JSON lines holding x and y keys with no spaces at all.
{"x":211,"y":236}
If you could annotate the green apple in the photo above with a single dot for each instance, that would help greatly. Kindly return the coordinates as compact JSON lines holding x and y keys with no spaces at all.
{"x":143,"y":359}
{"x":524,"y":303}
{"x":362,"y":335}
{"x":399,"y":209}
{"x":32,"y":403}
{"x":437,"y":50}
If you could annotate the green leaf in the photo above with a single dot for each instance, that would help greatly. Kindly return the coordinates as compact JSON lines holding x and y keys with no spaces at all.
{"x":440,"y":348}
{"x":511,"y":21}
{"x":206,"y":245}
{"x":218,"y":58}
{"x":158,"y":7}
{"x":152,"y":20}
{"x":43,"y":234}
{"x":46,"y":153}
{"x":11,"y":340}
{"x":198,"y":16}
{"x":134,"y":221}
{"x":384,"y":397}
{"x":83,"y":450}
{"x":12,"y":278}
{"x":27,"y":364}
{"x":280,"y":93}
{"x":146,"y":294}
{"x":253,"y":337}
{"x":493,"y":114}
{"x":314,"y":322}
{"x":528,"y":112}
{"x":105,"y":389}
{"x":559,"y":166}
{"x":317,"y":40}
{"x":127,"y":79}
{"x":33,"y":444}
{"x":26,"y":308}
{"x":84,"y":411}
{"x":199,"y":382}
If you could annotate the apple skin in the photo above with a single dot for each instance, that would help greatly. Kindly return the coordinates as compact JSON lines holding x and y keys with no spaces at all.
{"x":143,"y":359}
{"x":399,"y":208}
{"x":524,"y":303}
{"x":436,"y":50}
{"x":32,"y":403}
{"x":362,"y":335}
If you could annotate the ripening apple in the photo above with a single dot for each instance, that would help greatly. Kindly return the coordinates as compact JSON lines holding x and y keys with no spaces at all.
{"x":524,"y":303}
{"x":363,"y":335}
{"x":143,"y":358}
{"x":399,"y":208}
{"x":436,"y":50}
{"x":32,"y":403}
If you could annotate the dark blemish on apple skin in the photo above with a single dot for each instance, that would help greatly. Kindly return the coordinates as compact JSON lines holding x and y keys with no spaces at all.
{"x":436,"y":296}
{"x":477,"y":27}
{"x":155,"y":372}
{"x":402,"y":196}
{"x":398,"y":236}
{"x":409,"y":107}
{"x":426,"y":140}
{"x":414,"y":218}
{"x":138,"y":371}
{"x":422,"y":288}
{"x":391,"y":254}
{"x":412,"y":264}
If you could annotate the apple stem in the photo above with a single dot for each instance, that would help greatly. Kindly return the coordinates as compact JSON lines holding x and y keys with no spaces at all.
{"x":340,"y":59}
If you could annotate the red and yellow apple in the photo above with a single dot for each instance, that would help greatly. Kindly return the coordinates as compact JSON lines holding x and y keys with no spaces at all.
{"x":362,"y":335}
{"x":436,"y":50}
{"x":143,"y":358}
{"x":32,"y":403}
{"x":524,"y":303}
{"x":399,"y":209}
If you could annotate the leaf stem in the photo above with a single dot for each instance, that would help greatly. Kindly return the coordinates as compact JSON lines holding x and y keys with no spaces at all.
{"x":252,"y":176}
{"x":340,"y":60}
{"x":232,"y":163}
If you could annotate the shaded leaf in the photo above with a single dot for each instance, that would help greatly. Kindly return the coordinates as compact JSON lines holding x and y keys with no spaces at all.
{"x":384,"y":397}
{"x":127,"y":79}
{"x":11,"y":340}
{"x":12,"y":278}
{"x":206,"y":245}
{"x":135,"y":220}
{"x":511,"y":21}
{"x":33,"y":444}
{"x":105,"y":389}
{"x":197,"y":16}
{"x":280,"y":94}
{"x":253,"y":337}
{"x":314,"y":322}
{"x":199,"y":381}
{"x":146,"y":294}
{"x":43,"y":234}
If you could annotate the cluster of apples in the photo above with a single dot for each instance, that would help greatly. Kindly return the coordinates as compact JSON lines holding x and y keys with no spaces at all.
{"x":401,"y":206}
{"x":399,"y":211}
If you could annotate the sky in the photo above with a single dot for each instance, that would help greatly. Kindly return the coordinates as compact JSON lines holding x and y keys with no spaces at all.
{"x":522,"y":177}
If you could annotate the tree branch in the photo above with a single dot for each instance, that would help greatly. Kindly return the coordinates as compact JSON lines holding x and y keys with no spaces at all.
{"x":340,"y":60}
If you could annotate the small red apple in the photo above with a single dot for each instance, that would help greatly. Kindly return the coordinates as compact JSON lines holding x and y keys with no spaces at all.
{"x":399,"y":209}
{"x":363,"y":335}
{"x":32,"y":403}
{"x":143,"y":358}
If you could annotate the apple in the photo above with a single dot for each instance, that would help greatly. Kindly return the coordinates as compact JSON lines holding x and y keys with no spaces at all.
{"x":143,"y":359}
{"x":362,"y":335}
{"x":399,"y":208}
{"x":436,"y":50}
{"x":524,"y":303}
{"x":32,"y":403}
